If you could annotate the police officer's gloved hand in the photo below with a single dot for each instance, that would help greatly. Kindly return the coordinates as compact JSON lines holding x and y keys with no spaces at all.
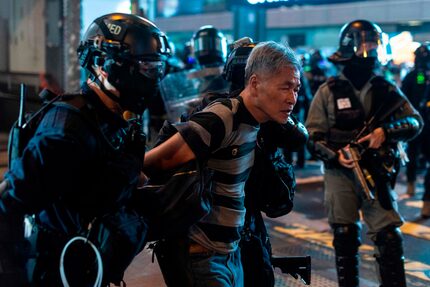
{"x":135,"y":140}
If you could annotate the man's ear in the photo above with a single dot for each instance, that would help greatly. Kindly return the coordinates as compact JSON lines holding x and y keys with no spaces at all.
{"x":253,"y":81}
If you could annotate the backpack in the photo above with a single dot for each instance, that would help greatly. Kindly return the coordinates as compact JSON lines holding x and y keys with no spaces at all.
{"x":25,"y":127}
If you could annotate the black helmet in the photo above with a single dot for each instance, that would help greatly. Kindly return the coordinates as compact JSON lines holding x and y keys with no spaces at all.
{"x":132,"y":50}
{"x":361,"y":38}
{"x":316,"y":58}
{"x":422,"y":56}
{"x":234,"y":69}
{"x":210,"y":46}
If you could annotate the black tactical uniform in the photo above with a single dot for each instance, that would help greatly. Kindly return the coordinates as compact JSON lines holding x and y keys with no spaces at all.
{"x":83,"y":162}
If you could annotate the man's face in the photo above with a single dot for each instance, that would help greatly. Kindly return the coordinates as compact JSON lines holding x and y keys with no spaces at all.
{"x":277,"y":94}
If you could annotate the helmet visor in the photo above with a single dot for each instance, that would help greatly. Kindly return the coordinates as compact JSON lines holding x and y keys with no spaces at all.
{"x":154,"y":70}
{"x":209,"y":45}
{"x":369,"y":44}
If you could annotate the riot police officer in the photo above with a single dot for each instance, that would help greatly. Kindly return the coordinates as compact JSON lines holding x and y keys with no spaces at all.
{"x":84,"y":160}
{"x":414,"y":86}
{"x":362,"y":112}
{"x":210,"y":50}
{"x":317,"y":73}
{"x":209,"y":46}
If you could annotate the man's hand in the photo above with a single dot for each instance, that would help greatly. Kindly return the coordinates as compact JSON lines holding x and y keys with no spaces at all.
{"x":345,"y":162}
{"x":376,"y":138}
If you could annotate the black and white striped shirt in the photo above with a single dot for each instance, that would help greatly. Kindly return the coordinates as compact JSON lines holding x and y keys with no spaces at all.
{"x":224,"y":134}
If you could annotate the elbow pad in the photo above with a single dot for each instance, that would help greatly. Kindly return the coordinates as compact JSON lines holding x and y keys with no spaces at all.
{"x":402,"y":130}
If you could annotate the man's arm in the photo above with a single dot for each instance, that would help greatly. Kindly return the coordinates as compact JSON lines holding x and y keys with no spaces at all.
{"x":406,"y":122}
{"x":172,"y":153}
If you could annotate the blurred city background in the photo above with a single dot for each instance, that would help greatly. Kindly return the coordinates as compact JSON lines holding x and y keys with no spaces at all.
{"x":39,"y":37}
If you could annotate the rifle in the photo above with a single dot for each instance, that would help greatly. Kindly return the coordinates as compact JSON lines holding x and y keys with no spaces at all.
{"x":295,"y":266}
{"x":362,"y":175}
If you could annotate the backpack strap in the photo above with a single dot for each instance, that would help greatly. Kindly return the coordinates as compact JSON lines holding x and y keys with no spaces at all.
{"x":20,"y":136}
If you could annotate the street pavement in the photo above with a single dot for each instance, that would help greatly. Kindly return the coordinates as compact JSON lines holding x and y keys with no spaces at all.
{"x":305,"y":231}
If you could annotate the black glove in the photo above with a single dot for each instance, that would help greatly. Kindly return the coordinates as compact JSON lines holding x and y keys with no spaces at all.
{"x":135,"y":139}
{"x":292,"y":136}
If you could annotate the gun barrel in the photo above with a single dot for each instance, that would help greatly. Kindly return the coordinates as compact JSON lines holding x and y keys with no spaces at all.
{"x":358,"y":172}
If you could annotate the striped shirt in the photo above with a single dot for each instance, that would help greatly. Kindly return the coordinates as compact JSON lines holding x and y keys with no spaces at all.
{"x":223,"y":134}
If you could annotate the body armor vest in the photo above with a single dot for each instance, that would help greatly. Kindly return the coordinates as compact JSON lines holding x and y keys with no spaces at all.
{"x":349,"y":113}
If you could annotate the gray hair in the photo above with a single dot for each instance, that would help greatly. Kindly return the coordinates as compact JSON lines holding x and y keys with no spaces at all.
{"x":267,"y":58}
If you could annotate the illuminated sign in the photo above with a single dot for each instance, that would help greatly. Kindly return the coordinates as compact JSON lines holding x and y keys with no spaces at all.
{"x":265,"y":1}
{"x":275,"y":3}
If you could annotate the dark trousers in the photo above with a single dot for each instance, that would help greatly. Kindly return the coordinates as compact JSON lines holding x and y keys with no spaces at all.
{"x":185,"y":263}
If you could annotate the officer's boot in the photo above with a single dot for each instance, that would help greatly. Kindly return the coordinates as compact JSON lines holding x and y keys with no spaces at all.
{"x":390,"y":260}
{"x":346,"y":242}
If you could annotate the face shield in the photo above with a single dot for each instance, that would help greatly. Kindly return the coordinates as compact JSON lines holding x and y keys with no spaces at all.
{"x":362,"y":41}
{"x":369,"y":45}
{"x":154,"y":70}
{"x":207,"y":44}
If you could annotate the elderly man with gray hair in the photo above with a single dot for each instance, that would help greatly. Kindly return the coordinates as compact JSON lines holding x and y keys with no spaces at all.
{"x":223,"y":136}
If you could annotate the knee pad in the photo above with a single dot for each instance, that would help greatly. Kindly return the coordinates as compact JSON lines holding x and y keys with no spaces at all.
{"x":346,"y":239}
{"x":389,"y":242}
